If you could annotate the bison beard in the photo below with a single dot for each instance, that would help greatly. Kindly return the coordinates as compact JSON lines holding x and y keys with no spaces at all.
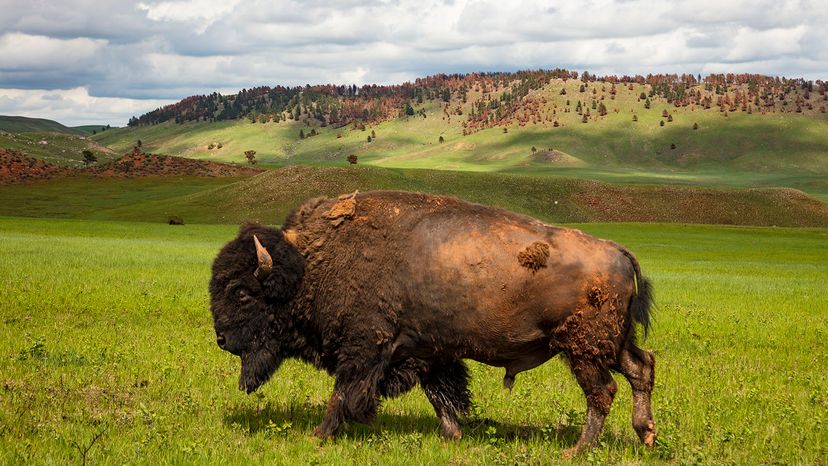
{"x":387,"y":290}
{"x":257,"y":368}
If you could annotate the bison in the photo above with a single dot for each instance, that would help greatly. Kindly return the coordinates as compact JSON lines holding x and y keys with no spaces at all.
{"x":385,"y":290}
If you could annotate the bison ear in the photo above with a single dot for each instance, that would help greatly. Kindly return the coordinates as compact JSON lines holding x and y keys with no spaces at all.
{"x":265,"y":262}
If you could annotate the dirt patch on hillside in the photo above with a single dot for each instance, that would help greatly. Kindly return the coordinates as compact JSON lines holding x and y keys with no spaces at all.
{"x":138,"y":163}
{"x":464,"y":145}
{"x":554,"y":156}
{"x":95,"y":146}
{"x":19,"y":168}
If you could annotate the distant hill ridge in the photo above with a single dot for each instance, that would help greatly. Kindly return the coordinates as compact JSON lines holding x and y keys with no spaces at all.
{"x":20,"y":124}
{"x":496,"y":99}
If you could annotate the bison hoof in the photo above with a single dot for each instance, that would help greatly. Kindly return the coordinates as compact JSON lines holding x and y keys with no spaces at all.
{"x":450,"y":428}
{"x":322,"y":434}
{"x":648,"y":435}
{"x":452,"y":435}
{"x":570,"y":452}
{"x":649,"y":439}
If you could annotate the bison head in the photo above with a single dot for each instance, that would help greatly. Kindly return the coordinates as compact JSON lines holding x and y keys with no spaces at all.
{"x":254,"y":278}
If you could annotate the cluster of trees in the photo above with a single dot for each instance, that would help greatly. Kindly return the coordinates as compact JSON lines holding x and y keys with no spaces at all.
{"x":730,"y":93}
{"x":500,"y":98}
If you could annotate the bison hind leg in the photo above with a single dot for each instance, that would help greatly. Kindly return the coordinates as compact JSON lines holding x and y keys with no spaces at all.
{"x":599,"y":388}
{"x":446,"y":385}
{"x":638,"y":367}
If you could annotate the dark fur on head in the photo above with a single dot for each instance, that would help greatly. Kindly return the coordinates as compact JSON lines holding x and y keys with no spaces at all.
{"x":249,"y":315}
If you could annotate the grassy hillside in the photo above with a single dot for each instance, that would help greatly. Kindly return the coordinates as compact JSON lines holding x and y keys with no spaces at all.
{"x":56,"y":148}
{"x":270,"y":196}
{"x":95,"y":198}
{"x":105,"y":331}
{"x":89,"y":130}
{"x":19,"y":124}
{"x":740,"y":149}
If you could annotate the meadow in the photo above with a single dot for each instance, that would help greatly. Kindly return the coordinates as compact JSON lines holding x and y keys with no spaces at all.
{"x":109,"y":356}
{"x":733,"y":149}
{"x":270,"y":196}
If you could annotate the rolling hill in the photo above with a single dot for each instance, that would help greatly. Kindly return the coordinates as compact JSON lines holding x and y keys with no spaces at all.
{"x":19,"y":124}
{"x":90,"y":130}
{"x":60,"y":149}
{"x":269,"y":196}
{"x":780,"y":143}
{"x":665,"y":147}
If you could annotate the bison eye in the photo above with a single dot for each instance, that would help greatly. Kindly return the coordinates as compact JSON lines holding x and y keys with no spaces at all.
{"x":244,"y":296}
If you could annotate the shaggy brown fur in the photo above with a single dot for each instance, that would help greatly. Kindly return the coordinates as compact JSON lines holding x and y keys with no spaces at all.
{"x":404,"y":286}
{"x":535,"y":255}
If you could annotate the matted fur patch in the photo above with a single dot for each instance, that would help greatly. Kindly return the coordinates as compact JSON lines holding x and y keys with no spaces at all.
{"x":535,"y":256}
{"x":292,"y":237}
{"x":344,"y":208}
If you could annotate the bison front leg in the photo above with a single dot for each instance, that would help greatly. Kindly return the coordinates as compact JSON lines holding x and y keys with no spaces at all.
{"x":334,"y":418}
{"x":446,"y":387}
{"x":355,"y":396}
{"x":599,"y":388}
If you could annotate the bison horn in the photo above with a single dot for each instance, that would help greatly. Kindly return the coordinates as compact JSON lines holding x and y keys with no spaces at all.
{"x":265,"y":262}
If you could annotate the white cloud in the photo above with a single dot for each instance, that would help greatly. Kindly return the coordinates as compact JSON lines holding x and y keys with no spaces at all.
{"x":74,"y":107}
{"x":356,"y":76}
{"x":750,"y":44}
{"x":34,"y":52}
{"x":203,"y":12}
{"x":168,"y":49}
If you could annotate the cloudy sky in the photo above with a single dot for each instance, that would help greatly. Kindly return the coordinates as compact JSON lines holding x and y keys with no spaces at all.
{"x":90,"y":62}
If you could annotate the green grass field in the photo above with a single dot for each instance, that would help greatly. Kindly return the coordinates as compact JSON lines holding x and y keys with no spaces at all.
{"x":270,"y":196}
{"x":84,"y":197}
{"x":105,"y":333}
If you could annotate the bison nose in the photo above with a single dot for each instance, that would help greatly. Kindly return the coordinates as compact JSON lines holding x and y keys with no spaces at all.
{"x":221,"y":341}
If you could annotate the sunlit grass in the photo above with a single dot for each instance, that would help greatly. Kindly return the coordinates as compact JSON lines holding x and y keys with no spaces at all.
{"x":105,"y":329}
{"x":740,"y":150}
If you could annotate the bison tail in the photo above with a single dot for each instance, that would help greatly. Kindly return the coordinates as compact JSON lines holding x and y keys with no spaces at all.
{"x":642,"y":301}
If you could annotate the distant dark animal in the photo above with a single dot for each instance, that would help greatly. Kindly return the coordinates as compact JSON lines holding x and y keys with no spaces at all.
{"x":176,"y":221}
{"x":385,"y":290}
